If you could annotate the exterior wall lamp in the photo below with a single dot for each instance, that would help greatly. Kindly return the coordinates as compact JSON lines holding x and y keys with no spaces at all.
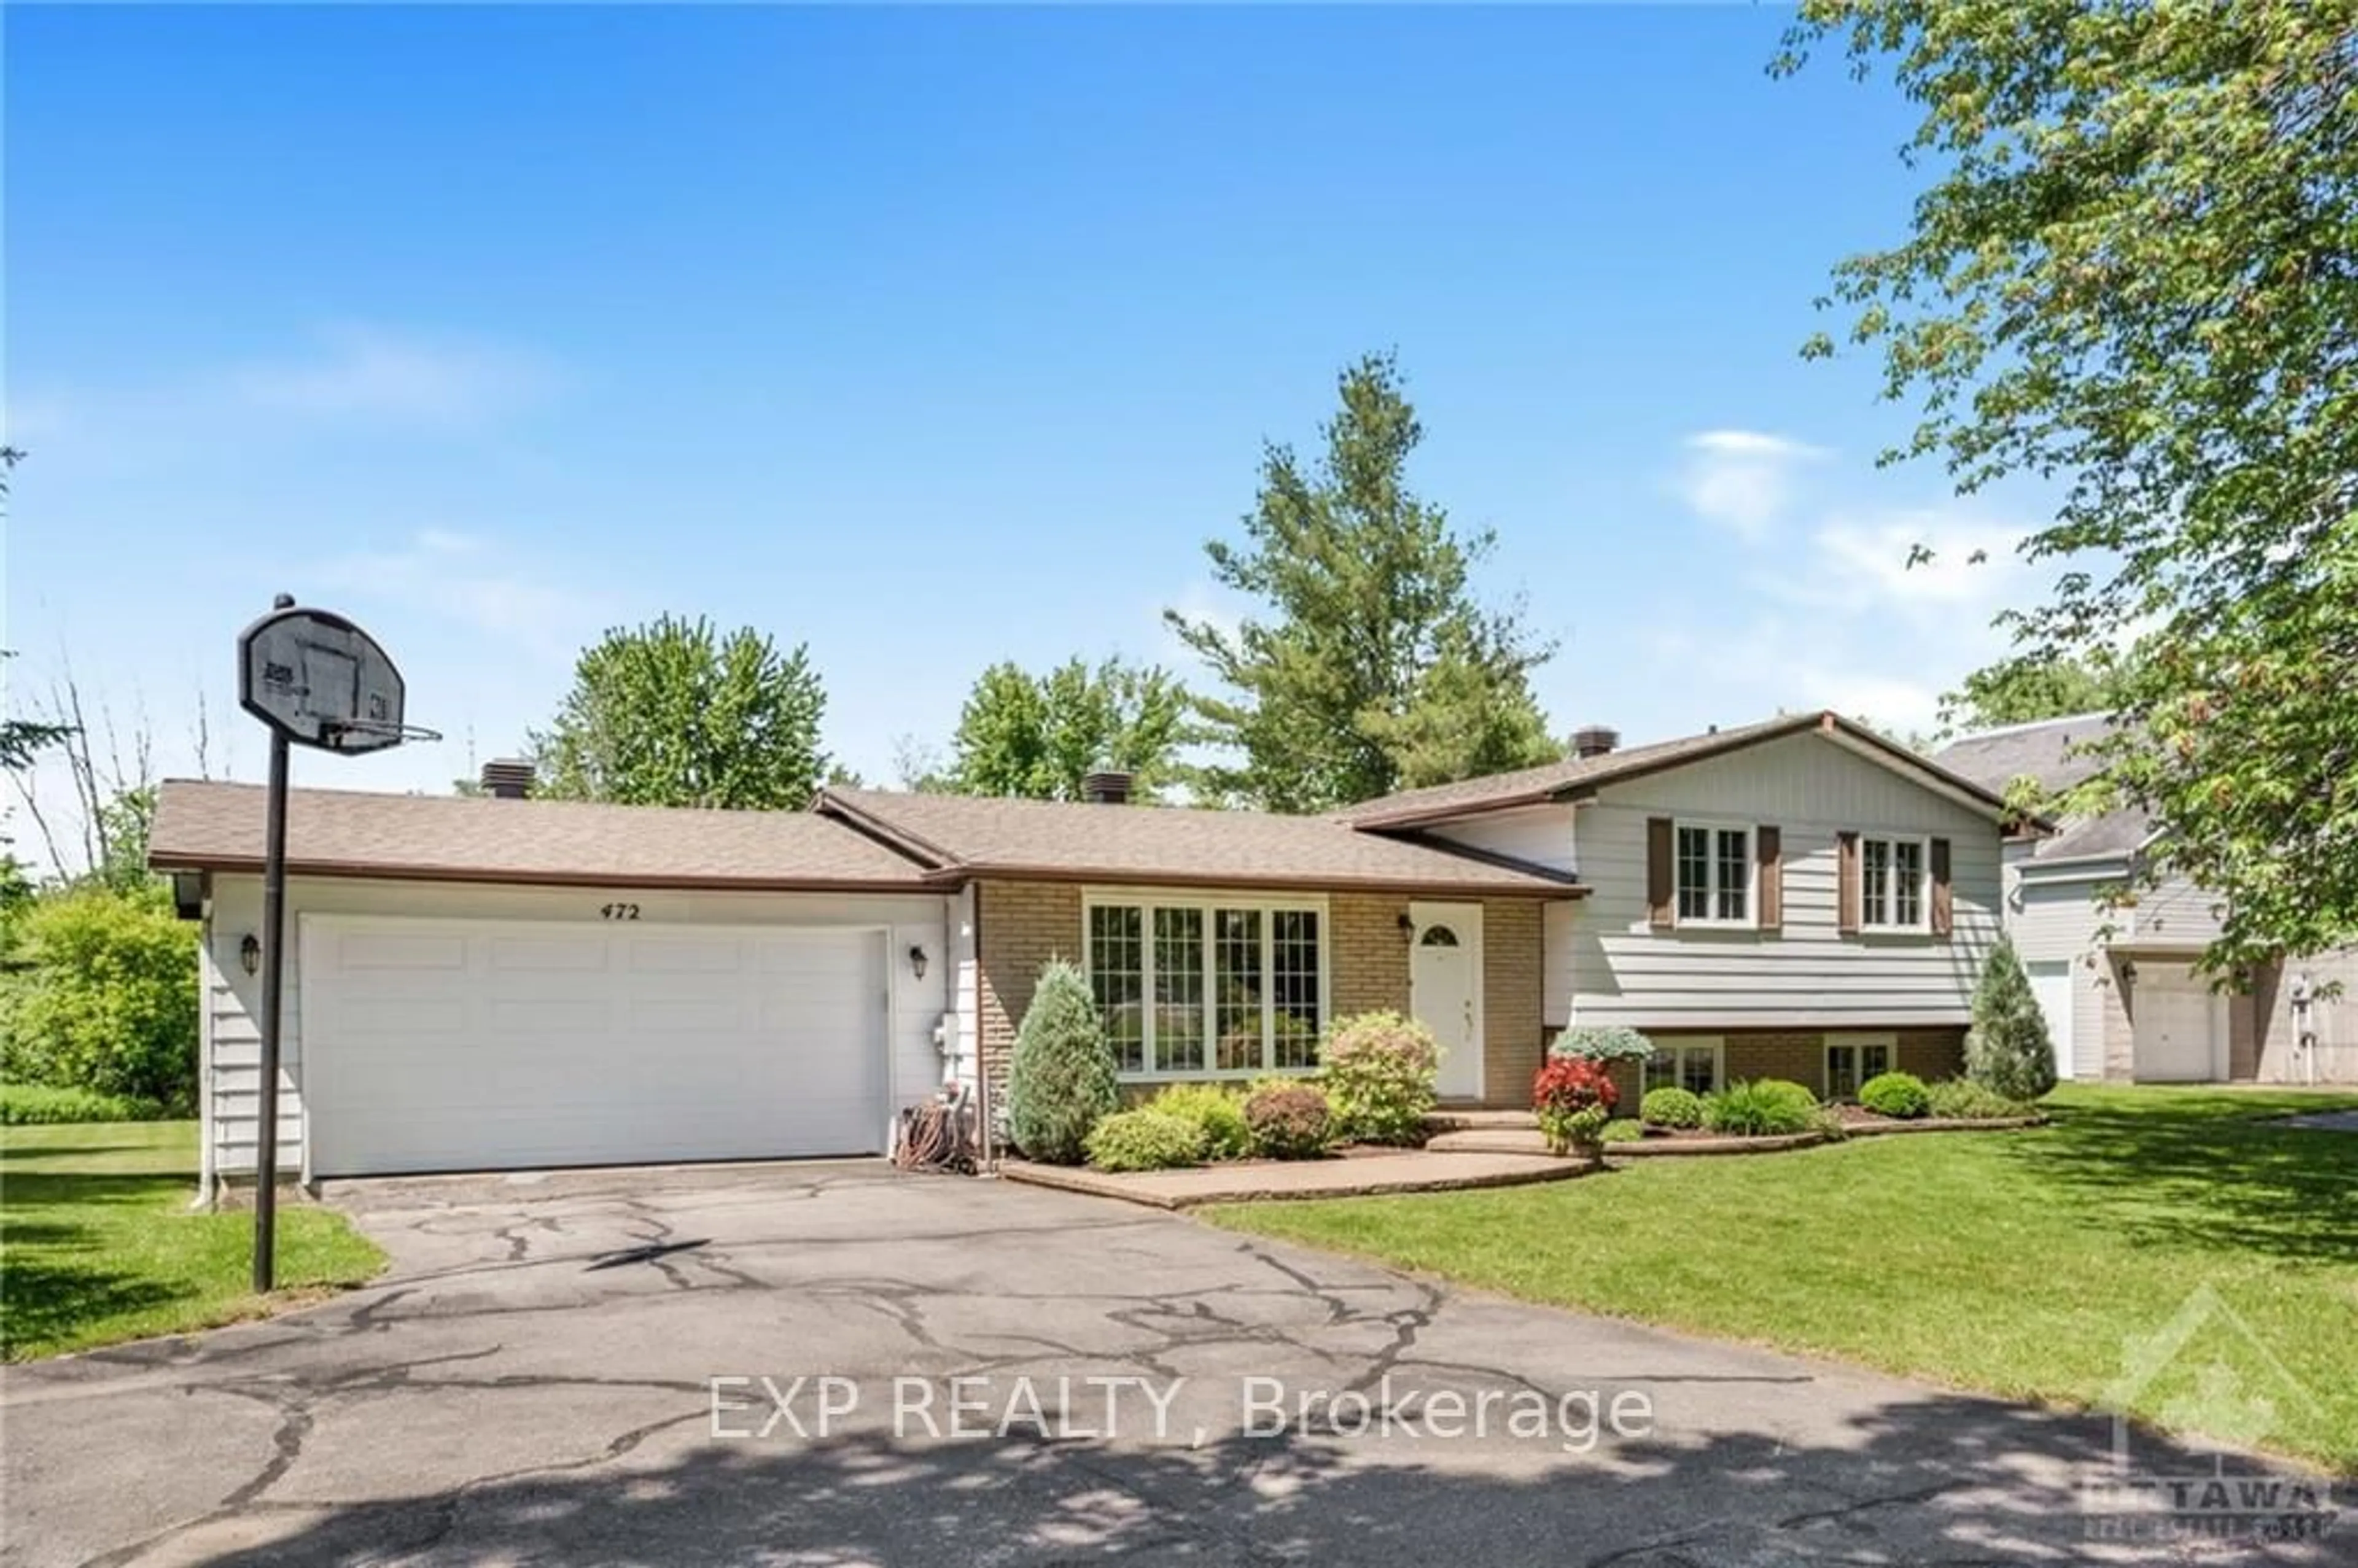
{"x":248,"y":953}
{"x":917,"y":962}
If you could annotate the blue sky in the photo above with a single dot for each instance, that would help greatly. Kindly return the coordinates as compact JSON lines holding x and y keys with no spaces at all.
{"x":934,"y":337}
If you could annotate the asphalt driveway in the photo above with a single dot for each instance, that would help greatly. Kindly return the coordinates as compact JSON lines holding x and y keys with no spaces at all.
{"x":990,"y":1374}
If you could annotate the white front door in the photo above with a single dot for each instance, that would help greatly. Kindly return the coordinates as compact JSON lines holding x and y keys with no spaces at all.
{"x":492,"y":1045}
{"x":2051,"y":984}
{"x":1445,"y":977}
{"x":2179,"y":1025}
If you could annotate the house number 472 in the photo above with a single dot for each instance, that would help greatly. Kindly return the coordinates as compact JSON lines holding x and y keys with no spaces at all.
{"x":619,"y":911}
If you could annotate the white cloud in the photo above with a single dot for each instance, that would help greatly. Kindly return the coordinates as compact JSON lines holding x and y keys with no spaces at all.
{"x":372,"y":372}
{"x":475,"y":583}
{"x":1742,"y":480}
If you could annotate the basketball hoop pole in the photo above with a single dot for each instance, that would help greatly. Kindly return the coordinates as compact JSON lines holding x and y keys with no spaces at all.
{"x":273,"y":969}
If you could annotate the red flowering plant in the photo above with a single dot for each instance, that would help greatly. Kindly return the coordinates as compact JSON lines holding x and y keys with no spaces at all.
{"x":1574,"y":1097}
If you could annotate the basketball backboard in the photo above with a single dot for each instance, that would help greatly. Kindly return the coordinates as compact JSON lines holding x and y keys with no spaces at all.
{"x":320,"y":681}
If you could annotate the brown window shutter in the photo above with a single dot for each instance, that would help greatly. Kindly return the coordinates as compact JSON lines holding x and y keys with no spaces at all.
{"x":1944,"y":902}
{"x":1846,"y":899}
{"x":1768,"y":850}
{"x":1662,"y":896}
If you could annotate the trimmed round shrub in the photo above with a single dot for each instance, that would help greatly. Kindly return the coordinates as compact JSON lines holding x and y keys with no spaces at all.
{"x":104,"y":998}
{"x":1622,"y":1129}
{"x":1671,"y":1106}
{"x":1215,"y":1111}
{"x":1288,"y":1121}
{"x":1603,"y":1044}
{"x":1145,"y":1140}
{"x":1061,"y":1082}
{"x":1379,"y":1070}
{"x":1901,"y":1095}
{"x":1761,"y":1108}
{"x":1961,"y":1100}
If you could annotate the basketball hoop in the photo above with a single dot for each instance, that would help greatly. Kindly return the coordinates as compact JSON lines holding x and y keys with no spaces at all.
{"x":317,"y":680}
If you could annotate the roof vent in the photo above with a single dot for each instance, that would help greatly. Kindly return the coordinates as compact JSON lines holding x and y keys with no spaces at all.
{"x":1594,"y":741}
{"x":508,"y":778}
{"x":1106,"y":787}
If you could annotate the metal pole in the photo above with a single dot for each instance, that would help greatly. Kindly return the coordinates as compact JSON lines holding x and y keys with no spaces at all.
{"x":274,"y":934}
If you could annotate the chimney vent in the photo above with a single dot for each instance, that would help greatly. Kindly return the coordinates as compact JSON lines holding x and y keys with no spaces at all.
{"x":1594,"y":741}
{"x":1107,"y":787}
{"x":508,"y":778}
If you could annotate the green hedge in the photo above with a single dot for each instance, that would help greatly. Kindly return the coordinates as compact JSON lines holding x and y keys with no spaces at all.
{"x":40,"y":1104}
{"x":104,"y":998}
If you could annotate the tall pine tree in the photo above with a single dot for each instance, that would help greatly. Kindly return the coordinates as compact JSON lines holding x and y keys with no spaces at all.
{"x":1371,"y":665}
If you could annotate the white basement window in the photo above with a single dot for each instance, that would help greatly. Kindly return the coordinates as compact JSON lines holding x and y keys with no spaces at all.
{"x":1893,"y":892}
{"x":1208,"y":987}
{"x":1852,"y":1059}
{"x":1714,"y":873}
{"x":1690,"y":1065}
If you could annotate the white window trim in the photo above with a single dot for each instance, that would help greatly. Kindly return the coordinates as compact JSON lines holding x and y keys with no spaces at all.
{"x":1885,"y":1038}
{"x":1717,"y":1044}
{"x":1922,"y":925}
{"x":1751,"y":921}
{"x":1150,"y":899}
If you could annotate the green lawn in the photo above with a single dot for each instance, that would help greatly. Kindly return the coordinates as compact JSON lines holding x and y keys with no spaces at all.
{"x":2018,"y":1263}
{"x":97,"y":1242}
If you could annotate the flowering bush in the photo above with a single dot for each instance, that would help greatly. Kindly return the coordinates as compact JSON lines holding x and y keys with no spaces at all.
{"x":1288,"y":1120}
{"x":1378,"y":1069}
{"x":1574,"y":1099}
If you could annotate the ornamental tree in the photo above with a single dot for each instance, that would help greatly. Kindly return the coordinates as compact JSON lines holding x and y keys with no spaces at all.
{"x":1062,"y":1081}
{"x":2008,"y":1049}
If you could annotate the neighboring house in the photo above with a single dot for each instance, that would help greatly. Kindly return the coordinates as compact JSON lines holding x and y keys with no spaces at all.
{"x":507,"y":982}
{"x":2114,"y":943}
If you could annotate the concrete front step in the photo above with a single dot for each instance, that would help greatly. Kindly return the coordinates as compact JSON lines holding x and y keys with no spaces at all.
{"x":1489,"y":1140}
{"x":1467,"y":1118}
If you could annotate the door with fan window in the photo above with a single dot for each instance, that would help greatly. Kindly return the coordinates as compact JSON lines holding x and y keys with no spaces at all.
{"x":1446,"y":989}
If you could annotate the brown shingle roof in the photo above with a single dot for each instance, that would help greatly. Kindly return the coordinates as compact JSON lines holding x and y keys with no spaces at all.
{"x":353,"y":833}
{"x":967,"y":835}
{"x":1552,"y":780}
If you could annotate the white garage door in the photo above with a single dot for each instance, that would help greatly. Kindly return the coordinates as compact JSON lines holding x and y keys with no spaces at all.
{"x":446,"y":1045}
{"x":2179,"y":1026}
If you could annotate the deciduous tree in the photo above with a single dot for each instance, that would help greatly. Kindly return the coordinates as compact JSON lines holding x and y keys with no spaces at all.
{"x":2133,"y":271}
{"x":1039,"y":736}
{"x":1370,"y":665}
{"x":673,"y":713}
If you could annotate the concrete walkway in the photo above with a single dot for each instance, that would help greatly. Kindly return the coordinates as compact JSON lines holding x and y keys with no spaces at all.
{"x":1356,"y":1175}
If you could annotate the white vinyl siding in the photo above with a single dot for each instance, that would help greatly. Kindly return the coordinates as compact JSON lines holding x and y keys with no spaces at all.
{"x":1806,"y":974}
{"x":2176,"y":911}
{"x":228,"y":1097}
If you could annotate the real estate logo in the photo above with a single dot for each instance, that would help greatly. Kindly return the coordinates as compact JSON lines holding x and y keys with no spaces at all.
{"x":2211,"y":1375}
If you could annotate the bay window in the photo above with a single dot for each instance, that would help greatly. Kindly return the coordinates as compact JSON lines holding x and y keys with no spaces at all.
{"x":1212,"y":987}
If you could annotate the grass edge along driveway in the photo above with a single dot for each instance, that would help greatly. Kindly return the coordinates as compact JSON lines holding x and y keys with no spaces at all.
{"x":98,"y":1243}
{"x":2022,"y":1264}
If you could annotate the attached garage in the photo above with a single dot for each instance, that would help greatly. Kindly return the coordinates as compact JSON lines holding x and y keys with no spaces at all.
{"x":449,"y":1044}
{"x":484,"y":984}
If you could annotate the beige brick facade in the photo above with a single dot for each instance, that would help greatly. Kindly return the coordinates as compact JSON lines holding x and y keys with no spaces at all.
{"x":1018,"y":928}
{"x":1023,"y":925}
